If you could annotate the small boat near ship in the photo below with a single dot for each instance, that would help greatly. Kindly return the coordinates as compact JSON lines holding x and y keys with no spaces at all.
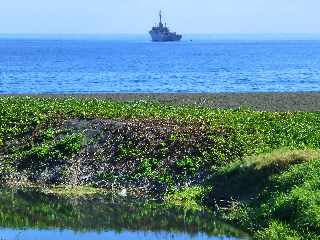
{"x":161,"y":33}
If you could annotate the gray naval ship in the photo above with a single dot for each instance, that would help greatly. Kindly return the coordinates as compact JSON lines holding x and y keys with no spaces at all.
{"x":161,"y":33}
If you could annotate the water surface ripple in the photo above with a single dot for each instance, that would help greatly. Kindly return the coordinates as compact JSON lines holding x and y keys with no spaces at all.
{"x":82,"y":66}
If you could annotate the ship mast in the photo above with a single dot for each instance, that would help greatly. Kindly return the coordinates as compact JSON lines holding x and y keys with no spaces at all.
{"x":160,"y":23}
{"x":160,"y":15}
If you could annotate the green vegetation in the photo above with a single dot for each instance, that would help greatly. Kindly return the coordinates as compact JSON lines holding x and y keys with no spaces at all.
{"x":259,"y":170}
{"x":276,"y":193}
{"x":188,"y":197}
{"x":72,"y":191}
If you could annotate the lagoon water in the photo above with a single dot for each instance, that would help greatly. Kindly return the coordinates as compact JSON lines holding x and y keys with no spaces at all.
{"x":134,"y":64}
{"x":32,"y":215}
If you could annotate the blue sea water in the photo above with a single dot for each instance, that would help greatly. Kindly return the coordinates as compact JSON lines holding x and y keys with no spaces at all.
{"x":134,"y":64}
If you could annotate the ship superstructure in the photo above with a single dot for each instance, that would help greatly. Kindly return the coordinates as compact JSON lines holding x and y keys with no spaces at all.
{"x":161,"y":33}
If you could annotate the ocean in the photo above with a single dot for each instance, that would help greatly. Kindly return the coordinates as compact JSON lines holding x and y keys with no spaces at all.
{"x":134,"y":64}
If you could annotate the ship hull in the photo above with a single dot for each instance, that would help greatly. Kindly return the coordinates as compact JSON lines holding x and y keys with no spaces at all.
{"x":168,"y":37}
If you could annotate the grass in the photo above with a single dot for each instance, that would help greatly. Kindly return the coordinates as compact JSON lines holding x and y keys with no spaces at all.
{"x":259,"y":170}
{"x":276,"y":195}
{"x":74,"y":191}
{"x":189,"y":197}
{"x":281,"y":159}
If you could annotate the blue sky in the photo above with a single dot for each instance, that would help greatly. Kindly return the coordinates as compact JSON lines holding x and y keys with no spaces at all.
{"x":137,"y":16}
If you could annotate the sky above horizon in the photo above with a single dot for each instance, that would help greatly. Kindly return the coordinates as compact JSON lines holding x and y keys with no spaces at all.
{"x":138,"y":16}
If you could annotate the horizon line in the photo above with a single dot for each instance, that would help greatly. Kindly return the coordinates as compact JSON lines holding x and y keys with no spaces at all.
{"x":188,"y":33}
{"x":186,"y":36}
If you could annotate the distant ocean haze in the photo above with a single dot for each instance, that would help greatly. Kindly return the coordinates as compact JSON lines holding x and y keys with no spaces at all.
{"x":134,"y":64}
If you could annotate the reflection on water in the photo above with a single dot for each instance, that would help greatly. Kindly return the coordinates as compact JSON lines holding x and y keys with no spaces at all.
{"x":34,"y":215}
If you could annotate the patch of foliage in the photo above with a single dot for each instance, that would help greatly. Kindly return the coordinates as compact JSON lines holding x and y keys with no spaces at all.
{"x":286,"y":203}
{"x":189,"y":197}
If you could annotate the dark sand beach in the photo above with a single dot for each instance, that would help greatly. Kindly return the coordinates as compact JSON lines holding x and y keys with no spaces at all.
{"x":306,"y":101}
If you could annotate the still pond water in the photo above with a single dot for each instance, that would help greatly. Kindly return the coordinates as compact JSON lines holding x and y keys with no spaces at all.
{"x":31,"y":215}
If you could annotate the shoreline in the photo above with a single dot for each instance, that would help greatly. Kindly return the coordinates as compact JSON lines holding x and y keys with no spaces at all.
{"x":274,"y":102}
